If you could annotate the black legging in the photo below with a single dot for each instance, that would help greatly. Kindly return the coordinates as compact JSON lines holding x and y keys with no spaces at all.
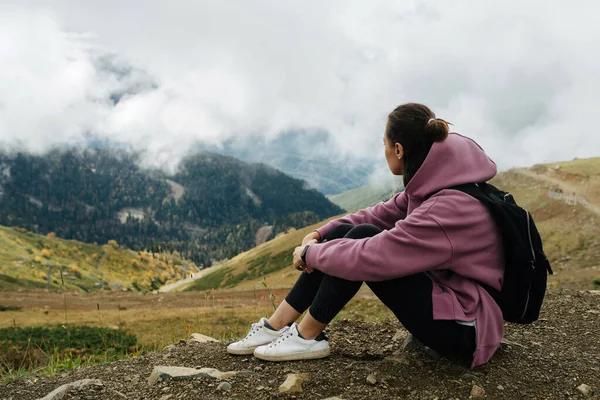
{"x":409,"y":298}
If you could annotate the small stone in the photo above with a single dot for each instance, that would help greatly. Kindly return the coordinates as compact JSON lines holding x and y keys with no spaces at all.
{"x":477,"y":392}
{"x":122,"y":395}
{"x":371,"y":379}
{"x":334,"y":398}
{"x":163,"y":373}
{"x":62,"y":391}
{"x":166,"y":397}
{"x":399,"y":335}
{"x":507,"y":342}
{"x":500,"y":387}
{"x":169,"y":348}
{"x":468,"y":377}
{"x":224,"y":386}
{"x":200,"y":338}
{"x":260,"y":388}
{"x":293,"y":383}
{"x":398,"y":360}
{"x":585,"y":390}
{"x":411,"y":343}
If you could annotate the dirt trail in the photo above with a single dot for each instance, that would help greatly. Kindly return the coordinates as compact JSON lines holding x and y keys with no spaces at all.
{"x":549,"y":359}
{"x":184,"y":282}
{"x":566,"y":187}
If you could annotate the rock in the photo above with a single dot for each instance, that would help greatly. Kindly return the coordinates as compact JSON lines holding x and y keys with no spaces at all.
{"x":500,"y":387}
{"x":585,"y":390}
{"x":333,"y":398}
{"x":293,"y":383}
{"x":224,"y":386}
{"x":169,"y":347}
{"x":371,"y":379}
{"x":261,"y":388}
{"x":163,"y":373}
{"x":511,"y":343}
{"x":468,"y":377}
{"x":477,"y":392}
{"x":62,"y":391}
{"x":398,"y":360}
{"x":200,"y":338}
{"x":411,"y":343}
{"x":399,"y":335}
{"x":166,"y":397}
{"x":122,"y":395}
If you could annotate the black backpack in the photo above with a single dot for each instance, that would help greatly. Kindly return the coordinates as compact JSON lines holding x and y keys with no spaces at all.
{"x":526,"y":265}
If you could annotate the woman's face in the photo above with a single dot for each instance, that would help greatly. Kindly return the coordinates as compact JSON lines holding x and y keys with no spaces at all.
{"x":393,"y":155}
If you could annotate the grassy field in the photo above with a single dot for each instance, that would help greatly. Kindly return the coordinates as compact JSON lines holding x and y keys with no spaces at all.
{"x":26,"y":260}
{"x":154,"y":320}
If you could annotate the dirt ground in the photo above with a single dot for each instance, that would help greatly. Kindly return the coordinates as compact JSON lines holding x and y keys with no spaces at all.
{"x":545,"y":360}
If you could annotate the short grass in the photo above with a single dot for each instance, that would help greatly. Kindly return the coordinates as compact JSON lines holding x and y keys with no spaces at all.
{"x":48,"y":350}
{"x":260,"y":261}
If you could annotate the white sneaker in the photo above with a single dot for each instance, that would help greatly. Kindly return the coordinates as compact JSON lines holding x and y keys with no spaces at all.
{"x":290,"y":346}
{"x":258,"y":335}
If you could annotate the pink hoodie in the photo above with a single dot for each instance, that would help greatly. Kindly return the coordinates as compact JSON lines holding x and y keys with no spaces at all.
{"x":450,"y":236}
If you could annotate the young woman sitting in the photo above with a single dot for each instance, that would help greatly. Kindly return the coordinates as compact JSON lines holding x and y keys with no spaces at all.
{"x":423,"y":253}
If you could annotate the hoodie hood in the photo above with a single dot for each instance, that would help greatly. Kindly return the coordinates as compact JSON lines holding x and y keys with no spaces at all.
{"x":455,"y":161}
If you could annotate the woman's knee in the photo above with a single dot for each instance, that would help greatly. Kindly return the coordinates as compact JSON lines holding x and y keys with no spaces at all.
{"x":362,"y":231}
{"x":338,"y":232}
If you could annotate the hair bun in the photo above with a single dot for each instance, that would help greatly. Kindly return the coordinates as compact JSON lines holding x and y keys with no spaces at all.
{"x":437,"y":129}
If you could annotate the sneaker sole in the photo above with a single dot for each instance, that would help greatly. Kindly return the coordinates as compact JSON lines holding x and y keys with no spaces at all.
{"x":241,"y":352}
{"x":308,"y":355}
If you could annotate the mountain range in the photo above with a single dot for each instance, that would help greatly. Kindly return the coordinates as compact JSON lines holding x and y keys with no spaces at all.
{"x":213,"y":207}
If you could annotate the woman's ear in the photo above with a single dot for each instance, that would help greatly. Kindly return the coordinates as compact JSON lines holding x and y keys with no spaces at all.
{"x":399,"y":150}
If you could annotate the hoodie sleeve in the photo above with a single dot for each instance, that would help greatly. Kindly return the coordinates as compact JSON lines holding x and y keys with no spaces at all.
{"x":383,"y":215}
{"x":416,"y":244}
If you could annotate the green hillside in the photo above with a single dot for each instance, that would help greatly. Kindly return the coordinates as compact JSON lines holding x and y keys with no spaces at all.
{"x":27,"y":258}
{"x":210,"y":209}
{"x":563,"y":198}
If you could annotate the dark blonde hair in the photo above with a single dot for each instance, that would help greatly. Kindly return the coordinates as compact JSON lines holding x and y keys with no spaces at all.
{"x":415,"y":127}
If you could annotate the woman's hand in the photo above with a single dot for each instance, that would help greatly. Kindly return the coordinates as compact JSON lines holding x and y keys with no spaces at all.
{"x":310,"y":237}
{"x":298,"y":263}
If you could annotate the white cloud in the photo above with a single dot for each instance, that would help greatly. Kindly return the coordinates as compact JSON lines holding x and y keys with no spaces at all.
{"x":520,"y":77}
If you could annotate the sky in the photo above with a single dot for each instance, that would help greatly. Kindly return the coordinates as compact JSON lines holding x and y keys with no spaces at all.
{"x":520,"y":77}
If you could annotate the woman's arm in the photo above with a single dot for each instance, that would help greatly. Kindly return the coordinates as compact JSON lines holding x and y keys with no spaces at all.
{"x":416,"y":244}
{"x":383,"y":215}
